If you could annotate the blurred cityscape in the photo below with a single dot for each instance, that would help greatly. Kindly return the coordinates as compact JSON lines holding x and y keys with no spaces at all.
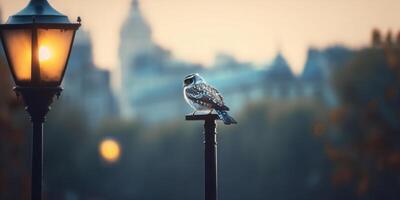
{"x":331,"y":132}
{"x":151,"y":78}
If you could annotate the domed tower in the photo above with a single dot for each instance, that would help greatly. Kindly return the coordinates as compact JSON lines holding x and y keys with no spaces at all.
{"x":140,"y":58}
{"x":135,"y":39}
{"x":135,"y":33}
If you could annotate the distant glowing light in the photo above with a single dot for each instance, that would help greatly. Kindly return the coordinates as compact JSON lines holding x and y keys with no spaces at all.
{"x":110,"y":150}
{"x":44,"y":53}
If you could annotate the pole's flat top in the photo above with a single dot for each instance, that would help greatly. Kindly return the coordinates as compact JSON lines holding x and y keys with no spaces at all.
{"x":200,"y":115}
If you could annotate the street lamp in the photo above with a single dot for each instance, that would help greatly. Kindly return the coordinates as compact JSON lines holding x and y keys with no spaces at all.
{"x":37,"y":42}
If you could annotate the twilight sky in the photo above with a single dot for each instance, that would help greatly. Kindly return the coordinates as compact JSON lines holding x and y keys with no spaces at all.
{"x":251,"y":30}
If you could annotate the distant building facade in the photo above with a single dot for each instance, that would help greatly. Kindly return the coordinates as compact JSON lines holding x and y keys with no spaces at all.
{"x":152,"y":78}
{"x":149,"y":74}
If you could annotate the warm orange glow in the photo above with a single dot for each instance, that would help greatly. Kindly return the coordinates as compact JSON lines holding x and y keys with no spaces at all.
{"x":110,"y":150}
{"x":19,"y":46}
{"x":44,"y":53}
{"x":52,"y":53}
{"x":54,"y":45}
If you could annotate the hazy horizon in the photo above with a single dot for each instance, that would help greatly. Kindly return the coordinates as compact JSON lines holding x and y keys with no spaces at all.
{"x":253,"y":30}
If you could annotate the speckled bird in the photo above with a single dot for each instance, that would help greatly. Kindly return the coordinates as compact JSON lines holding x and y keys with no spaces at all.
{"x":203,"y":97}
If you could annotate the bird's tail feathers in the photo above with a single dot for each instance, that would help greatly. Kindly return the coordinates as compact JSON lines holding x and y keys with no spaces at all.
{"x":224,"y":107}
{"x":226,"y":118}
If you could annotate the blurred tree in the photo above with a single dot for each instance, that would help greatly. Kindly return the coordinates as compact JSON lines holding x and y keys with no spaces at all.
{"x":366,"y":143}
{"x":14,"y":164}
{"x":376,"y":38}
{"x":398,"y":39}
{"x":389,"y":38}
{"x":273,"y":154}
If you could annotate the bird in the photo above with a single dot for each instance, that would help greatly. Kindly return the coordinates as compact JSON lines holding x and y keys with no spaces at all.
{"x":204,"y":97}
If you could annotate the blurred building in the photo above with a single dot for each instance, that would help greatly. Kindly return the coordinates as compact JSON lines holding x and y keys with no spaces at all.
{"x":152,"y":78}
{"x":88,"y":86}
{"x":149,"y":74}
{"x":279,"y":81}
{"x":316,"y":78}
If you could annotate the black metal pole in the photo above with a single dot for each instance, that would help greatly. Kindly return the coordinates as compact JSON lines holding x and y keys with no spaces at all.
{"x":210,"y":153}
{"x":37,"y":160}
{"x":37,"y":103}
{"x":210,"y":159}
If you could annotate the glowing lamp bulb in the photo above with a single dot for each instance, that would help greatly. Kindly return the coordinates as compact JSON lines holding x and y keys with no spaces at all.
{"x":110,"y":150}
{"x":44,"y":53}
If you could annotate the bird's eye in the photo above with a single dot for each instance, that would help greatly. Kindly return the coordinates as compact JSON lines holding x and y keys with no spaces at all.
{"x":188,"y":81}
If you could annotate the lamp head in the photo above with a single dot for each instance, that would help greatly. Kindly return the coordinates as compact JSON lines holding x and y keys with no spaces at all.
{"x":37,"y":42}
{"x":39,"y":10}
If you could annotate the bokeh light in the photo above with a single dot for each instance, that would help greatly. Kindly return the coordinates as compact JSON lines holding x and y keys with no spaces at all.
{"x":110,"y":150}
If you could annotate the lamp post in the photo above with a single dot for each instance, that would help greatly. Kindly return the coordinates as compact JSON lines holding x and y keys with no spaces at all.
{"x":37,"y":42}
{"x":210,"y":153}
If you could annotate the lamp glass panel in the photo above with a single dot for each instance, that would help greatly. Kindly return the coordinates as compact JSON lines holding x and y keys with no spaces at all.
{"x":53,"y":49}
{"x":18,"y":44}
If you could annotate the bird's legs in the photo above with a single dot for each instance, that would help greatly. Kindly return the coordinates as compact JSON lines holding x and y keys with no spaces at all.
{"x":194,"y":112}
{"x":211,"y":111}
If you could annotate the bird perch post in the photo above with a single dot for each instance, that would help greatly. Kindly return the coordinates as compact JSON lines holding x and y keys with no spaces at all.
{"x":210,"y":153}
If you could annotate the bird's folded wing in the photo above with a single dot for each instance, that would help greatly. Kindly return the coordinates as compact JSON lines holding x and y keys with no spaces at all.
{"x":206,"y":95}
